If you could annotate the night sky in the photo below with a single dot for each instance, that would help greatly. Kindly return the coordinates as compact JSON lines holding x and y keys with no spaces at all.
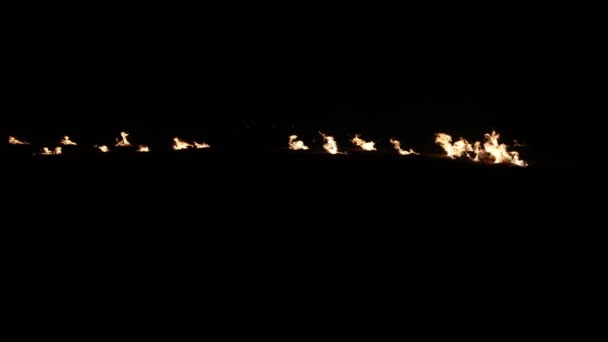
{"x":531,"y":78}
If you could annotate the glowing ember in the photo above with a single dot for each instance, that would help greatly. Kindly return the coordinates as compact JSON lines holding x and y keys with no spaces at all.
{"x":143,"y":149}
{"x":47,"y":152}
{"x":179,"y":145}
{"x":518,"y":144}
{"x":15,"y":141}
{"x":453,"y":150}
{"x":330,"y":144}
{"x":295,"y":144}
{"x":499,"y":151}
{"x":367,"y":146}
{"x":123,"y":142}
{"x":103,"y":148}
{"x":67,"y":142}
{"x":397,"y":145}
{"x":201,"y":146}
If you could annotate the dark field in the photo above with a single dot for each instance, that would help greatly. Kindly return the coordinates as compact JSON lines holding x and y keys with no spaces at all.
{"x":288,"y":242}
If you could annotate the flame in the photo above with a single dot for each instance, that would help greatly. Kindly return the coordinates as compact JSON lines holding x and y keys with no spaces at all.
{"x":103,"y":148}
{"x":499,"y":151}
{"x":453,"y":150}
{"x":397,"y":145}
{"x":15,"y":141}
{"x":201,"y":146}
{"x":143,"y":149}
{"x":478,"y":151}
{"x":330,"y":144}
{"x":365,"y":145}
{"x":47,"y":152}
{"x":123,"y":142}
{"x":295,"y":144}
{"x":490,"y":151}
{"x":180,"y":145}
{"x":66,"y":141}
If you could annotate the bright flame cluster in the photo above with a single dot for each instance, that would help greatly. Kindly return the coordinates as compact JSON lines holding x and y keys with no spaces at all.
{"x":179,"y":145}
{"x":491,"y":151}
{"x":331,"y":146}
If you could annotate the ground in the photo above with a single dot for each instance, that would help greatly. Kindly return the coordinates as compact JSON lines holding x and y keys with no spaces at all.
{"x":297,"y":226}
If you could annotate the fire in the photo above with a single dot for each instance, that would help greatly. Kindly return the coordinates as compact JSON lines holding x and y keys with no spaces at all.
{"x":66,"y":141}
{"x":295,"y":144}
{"x":397,"y":145}
{"x":15,"y":141}
{"x":123,"y":142}
{"x":103,"y":148}
{"x":330,"y":144}
{"x":499,"y":151}
{"x":47,"y":152}
{"x":490,"y":151}
{"x":201,"y":146}
{"x":453,"y":150}
{"x":365,"y":145}
{"x":179,"y":145}
{"x":143,"y":149}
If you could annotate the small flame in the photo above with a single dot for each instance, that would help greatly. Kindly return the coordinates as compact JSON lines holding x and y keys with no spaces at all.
{"x":66,"y":141}
{"x":201,"y":146}
{"x":518,"y":144}
{"x":179,"y":145}
{"x":453,"y":150}
{"x":330,"y":144}
{"x":295,"y":144}
{"x":103,"y":148}
{"x":47,"y":152}
{"x":123,"y":142}
{"x":15,"y":141}
{"x":365,"y":145}
{"x":143,"y":149}
{"x":397,"y":145}
{"x":478,"y":151}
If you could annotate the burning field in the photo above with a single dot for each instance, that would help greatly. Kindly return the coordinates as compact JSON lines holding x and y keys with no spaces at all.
{"x":490,"y":151}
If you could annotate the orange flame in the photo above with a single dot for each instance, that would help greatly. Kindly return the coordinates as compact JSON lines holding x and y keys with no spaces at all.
{"x":47,"y":152}
{"x":491,"y":151}
{"x":295,"y":144}
{"x":499,"y":151}
{"x":397,"y":145}
{"x":365,"y":145}
{"x":15,"y":141}
{"x":123,"y":142}
{"x":103,"y":148}
{"x":66,"y":141}
{"x":201,"y":146}
{"x":453,"y":150}
{"x":179,"y":145}
{"x":330,"y":144}
{"x":143,"y":149}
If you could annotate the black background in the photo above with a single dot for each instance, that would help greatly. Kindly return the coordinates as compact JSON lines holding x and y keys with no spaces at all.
{"x":247,"y":238}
